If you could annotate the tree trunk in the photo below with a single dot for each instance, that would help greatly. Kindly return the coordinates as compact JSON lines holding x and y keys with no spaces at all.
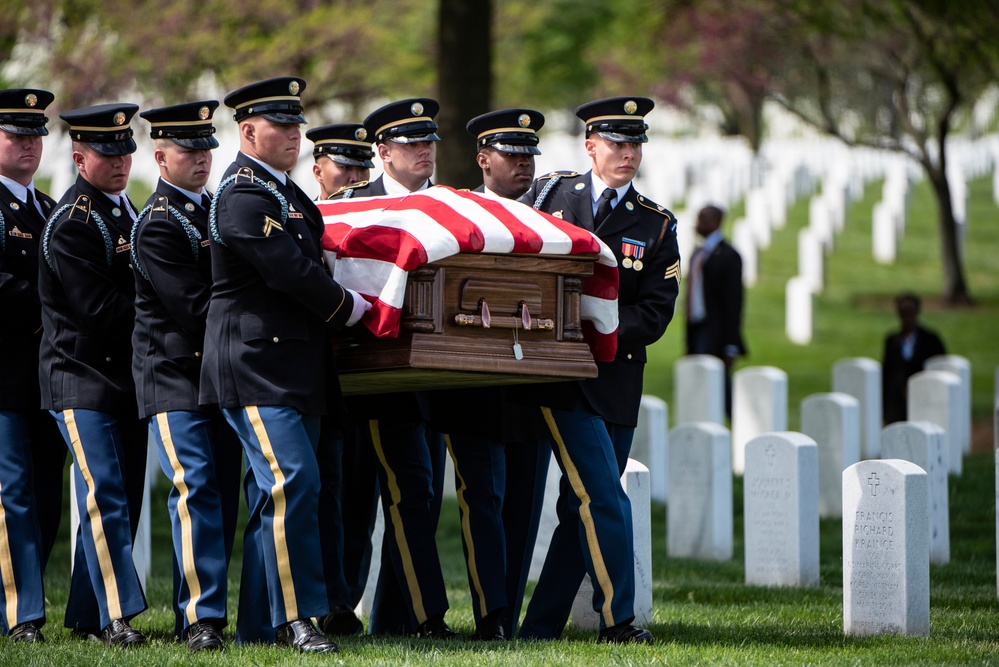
{"x":955,"y":289}
{"x":465,"y":87}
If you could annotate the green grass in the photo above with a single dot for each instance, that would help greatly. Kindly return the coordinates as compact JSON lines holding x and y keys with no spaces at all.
{"x":703,"y":612}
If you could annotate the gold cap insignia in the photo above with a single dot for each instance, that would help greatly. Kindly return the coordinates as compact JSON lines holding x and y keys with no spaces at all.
{"x":630,"y":107}
{"x":293,"y":87}
{"x":203,"y":113}
{"x":31,"y":100}
{"x":360,"y":134}
{"x":524,"y":120}
{"x":119,"y":118}
{"x":417,"y":109}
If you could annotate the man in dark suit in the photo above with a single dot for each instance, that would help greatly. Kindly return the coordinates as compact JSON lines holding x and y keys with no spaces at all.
{"x":33,"y":453}
{"x":410,"y":596}
{"x":715,"y":297}
{"x":905,"y":354}
{"x":198,"y":452}
{"x":266,"y":351}
{"x":592,"y":423}
{"x":87,"y":291}
{"x":496,"y":445}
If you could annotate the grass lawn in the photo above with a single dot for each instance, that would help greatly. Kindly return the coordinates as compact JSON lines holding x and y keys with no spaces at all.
{"x":703,"y":611}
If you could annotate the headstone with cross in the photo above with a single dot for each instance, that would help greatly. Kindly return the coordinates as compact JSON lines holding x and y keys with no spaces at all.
{"x":886,"y":548}
{"x":781,"y":510}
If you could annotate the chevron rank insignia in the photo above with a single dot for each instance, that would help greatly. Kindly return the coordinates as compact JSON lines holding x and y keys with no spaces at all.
{"x":270,"y":224}
{"x":673,"y":272}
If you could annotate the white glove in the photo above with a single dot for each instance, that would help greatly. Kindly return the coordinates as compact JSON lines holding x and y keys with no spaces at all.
{"x":361,"y":306}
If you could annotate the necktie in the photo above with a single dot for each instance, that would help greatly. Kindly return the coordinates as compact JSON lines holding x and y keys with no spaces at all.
{"x":33,"y":205}
{"x":206,"y":202}
{"x":604,"y":208}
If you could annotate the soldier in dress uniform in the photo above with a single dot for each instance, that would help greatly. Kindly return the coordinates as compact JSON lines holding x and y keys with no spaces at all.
{"x":499,"y":447}
{"x":347,"y":502}
{"x":592,"y":422}
{"x":198,"y":452}
{"x":410,"y":596}
{"x":33,"y":453}
{"x":266,"y":352}
{"x":343,"y":157}
{"x":87,"y":291}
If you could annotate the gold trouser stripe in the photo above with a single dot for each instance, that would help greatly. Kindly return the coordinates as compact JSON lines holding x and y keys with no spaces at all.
{"x":96,"y":522}
{"x":599,"y":568}
{"x":280,"y":508}
{"x":7,"y":568}
{"x":184,"y":514}
{"x":400,"y":533}
{"x":466,"y":530}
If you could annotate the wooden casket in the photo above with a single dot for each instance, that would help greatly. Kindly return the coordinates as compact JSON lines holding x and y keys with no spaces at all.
{"x":464,"y":318}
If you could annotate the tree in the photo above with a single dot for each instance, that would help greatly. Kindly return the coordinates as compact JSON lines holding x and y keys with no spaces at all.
{"x":896,"y":74}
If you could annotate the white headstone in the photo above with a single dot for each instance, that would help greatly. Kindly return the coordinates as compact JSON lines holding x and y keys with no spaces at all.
{"x":860,"y":377}
{"x":820,"y":224}
{"x":699,"y":389}
{"x":759,"y":405}
{"x":649,"y":444}
{"x":833,"y":421}
{"x":798,"y":310}
{"x":781,"y":510}
{"x":744,"y":242}
{"x":699,"y":514}
{"x":886,"y":551}
{"x":547,"y":523}
{"x":883,"y":233}
{"x":811,"y":259}
{"x":925,"y":445}
{"x":935,"y":396}
{"x":636,"y":484}
{"x":961,"y":367}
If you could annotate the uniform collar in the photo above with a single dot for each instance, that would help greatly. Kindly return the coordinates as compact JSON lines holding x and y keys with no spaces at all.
{"x":193,"y":196}
{"x":278,"y":175}
{"x":18,"y":190}
{"x":397,"y":189}
{"x":597,"y":187}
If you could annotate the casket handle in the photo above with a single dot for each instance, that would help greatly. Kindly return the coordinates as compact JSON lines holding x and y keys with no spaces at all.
{"x":504,"y":322}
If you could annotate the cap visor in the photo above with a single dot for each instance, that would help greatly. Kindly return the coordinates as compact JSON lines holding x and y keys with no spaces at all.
{"x":350,"y":162}
{"x":285,"y":118}
{"x":619,"y":138}
{"x":416,"y":139}
{"x":198,"y":143}
{"x":22,"y":131}
{"x":522,"y":149}
{"x":114,"y":148}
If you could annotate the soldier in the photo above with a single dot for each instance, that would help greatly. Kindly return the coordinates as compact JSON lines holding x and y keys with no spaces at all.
{"x":343,"y":157}
{"x":496,"y":445}
{"x":33,"y":454}
{"x":347,"y":502}
{"x":410,"y":596}
{"x":198,"y":452}
{"x":265,"y":361}
{"x":592,"y":423}
{"x":87,"y":291}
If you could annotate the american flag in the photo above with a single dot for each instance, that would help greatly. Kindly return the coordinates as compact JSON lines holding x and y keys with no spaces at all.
{"x":373,"y":242}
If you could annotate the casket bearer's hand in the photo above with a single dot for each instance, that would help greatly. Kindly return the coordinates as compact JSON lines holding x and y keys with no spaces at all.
{"x":361,"y":306}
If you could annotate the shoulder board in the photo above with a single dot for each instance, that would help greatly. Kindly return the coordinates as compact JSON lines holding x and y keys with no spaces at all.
{"x":347,"y":188}
{"x":244,"y":173}
{"x":651,"y":205}
{"x":80,"y":210}
{"x":560,"y":174}
{"x":159,"y":208}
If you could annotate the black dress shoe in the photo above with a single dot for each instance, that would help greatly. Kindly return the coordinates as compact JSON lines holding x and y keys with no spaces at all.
{"x":625,"y":633}
{"x":489,"y":628}
{"x":304,"y":636}
{"x":436,"y":628}
{"x":341,"y":621}
{"x":29,"y":632}
{"x":203,"y":637}
{"x":119,"y":633}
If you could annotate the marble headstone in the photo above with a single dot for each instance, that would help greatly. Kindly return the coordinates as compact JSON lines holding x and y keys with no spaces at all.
{"x":935,"y":396}
{"x":860,"y":377}
{"x":651,"y":439}
{"x":833,"y":421}
{"x":886,"y":551}
{"x":759,"y":405}
{"x":699,"y":514}
{"x":699,"y":389}
{"x":781,"y":510}
{"x":961,"y":367}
